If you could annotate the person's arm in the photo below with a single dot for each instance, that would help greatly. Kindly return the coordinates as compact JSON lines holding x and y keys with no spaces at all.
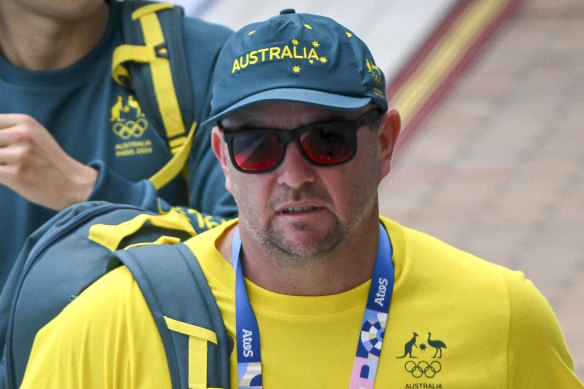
{"x":538,"y":354}
{"x":106,"y":338}
{"x":34,"y":165}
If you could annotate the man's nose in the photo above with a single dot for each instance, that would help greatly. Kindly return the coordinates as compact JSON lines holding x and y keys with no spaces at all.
{"x":295,"y":170}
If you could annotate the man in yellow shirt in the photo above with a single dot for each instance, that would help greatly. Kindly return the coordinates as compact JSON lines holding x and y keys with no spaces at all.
{"x":315,"y":288}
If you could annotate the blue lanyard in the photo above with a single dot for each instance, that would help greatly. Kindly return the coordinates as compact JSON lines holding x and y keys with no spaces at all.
{"x":249,"y":361}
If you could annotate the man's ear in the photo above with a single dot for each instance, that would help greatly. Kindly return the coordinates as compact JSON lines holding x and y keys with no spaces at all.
{"x":388,"y":134}
{"x":220,"y":150}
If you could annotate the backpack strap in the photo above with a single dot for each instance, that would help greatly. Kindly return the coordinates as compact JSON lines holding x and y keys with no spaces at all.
{"x":176,"y":163}
{"x":185,"y":311}
{"x":112,"y":235}
{"x":153,"y":59}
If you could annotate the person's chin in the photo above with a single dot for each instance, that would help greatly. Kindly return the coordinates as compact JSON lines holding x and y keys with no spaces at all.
{"x":305,"y":234}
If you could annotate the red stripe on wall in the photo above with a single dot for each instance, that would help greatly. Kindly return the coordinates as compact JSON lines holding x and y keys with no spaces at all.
{"x":435,"y":94}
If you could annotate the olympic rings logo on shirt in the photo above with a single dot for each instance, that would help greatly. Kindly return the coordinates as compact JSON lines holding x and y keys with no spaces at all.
{"x":126,"y":130}
{"x":423,"y":368}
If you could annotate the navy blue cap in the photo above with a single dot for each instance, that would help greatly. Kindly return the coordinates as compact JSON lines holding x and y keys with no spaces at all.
{"x":294,"y":57}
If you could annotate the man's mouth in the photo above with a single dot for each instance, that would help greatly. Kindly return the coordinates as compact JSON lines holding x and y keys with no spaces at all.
{"x":293,"y":210}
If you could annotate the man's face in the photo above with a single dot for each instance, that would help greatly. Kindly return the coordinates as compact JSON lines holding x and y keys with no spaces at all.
{"x":298,"y":208}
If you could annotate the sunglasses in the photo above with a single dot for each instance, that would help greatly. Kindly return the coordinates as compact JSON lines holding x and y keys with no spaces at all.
{"x":261,"y":150}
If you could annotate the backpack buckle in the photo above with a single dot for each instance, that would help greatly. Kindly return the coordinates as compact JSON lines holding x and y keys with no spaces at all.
{"x":161,"y":50}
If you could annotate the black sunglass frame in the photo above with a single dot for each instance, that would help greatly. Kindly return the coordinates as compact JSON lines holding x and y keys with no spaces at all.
{"x":287,"y":136}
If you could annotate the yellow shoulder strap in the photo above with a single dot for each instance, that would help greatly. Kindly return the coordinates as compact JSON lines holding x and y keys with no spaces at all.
{"x":176,"y":163}
{"x":198,"y":339}
{"x":111,"y":236}
{"x":155,"y":53}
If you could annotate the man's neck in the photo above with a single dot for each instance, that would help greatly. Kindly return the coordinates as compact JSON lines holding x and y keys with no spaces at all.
{"x":347,"y":266}
{"x":48,"y":43}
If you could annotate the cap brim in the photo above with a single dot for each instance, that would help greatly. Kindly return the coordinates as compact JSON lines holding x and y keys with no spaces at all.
{"x":304,"y":96}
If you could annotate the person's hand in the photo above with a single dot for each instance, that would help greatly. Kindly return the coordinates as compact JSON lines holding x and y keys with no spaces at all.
{"x":34,"y":165}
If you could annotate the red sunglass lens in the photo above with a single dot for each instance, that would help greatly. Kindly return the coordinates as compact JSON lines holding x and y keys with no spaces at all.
{"x":328,"y":147}
{"x":254,"y":151}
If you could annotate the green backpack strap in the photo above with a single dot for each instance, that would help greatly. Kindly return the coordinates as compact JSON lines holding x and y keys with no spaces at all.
{"x":185,"y":311}
{"x":152,"y":63}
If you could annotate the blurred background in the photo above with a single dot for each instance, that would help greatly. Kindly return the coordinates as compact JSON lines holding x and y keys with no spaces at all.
{"x":491,"y":157}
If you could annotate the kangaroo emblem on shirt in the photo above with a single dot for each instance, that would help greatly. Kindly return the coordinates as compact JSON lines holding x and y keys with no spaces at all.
{"x":135,"y":105}
{"x":408,"y":347}
{"x":117,"y":110}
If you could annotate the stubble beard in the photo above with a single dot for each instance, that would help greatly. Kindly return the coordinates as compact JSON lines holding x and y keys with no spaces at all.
{"x":283,"y":249}
{"x":325,"y":244}
{"x":282,"y":246}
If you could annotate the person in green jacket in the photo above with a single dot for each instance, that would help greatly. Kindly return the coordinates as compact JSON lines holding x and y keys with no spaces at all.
{"x":69,"y":133}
